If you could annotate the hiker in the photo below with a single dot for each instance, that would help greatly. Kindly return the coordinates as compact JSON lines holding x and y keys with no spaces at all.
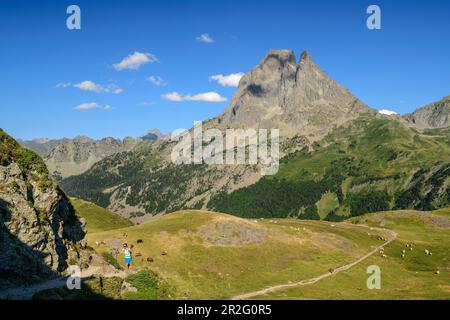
{"x":128,"y":255}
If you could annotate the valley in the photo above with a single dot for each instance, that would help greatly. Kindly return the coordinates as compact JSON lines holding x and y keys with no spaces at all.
{"x":353,"y":188}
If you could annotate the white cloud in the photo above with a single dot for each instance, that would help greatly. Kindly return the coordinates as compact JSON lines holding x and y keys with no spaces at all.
{"x":231,"y":80}
{"x":90,"y":106}
{"x":92,"y":87}
{"x":173,"y":96}
{"x":387,"y":112}
{"x":88,"y":86}
{"x":205,"y":38}
{"x":87,"y":106}
{"x":63,"y":85}
{"x":157,"y":81}
{"x":135,"y":61}
{"x":205,"y":97}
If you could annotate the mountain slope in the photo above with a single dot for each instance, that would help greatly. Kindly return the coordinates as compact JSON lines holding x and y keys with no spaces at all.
{"x":39,"y":232}
{"x":433,"y":115}
{"x":97,"y":218}
{"x":370,"y":164}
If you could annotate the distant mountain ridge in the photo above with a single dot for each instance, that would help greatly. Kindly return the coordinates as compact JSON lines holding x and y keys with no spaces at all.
{"x":67,"y":157}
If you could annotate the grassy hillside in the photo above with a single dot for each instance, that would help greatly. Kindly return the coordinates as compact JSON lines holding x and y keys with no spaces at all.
{"x":416,"y":276}
{"x":97,"y":218}
{"x":371,"y":164}
{"x":206,"y":255}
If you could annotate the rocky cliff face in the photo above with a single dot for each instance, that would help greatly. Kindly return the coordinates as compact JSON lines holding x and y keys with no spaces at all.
{"x":434,"y":115}
{"x":294,"y":97}
{"x":39,"y":232}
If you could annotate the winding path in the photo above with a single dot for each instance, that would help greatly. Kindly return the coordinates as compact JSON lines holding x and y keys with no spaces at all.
{"x":27,"y":292}
{"x":391,"y":237}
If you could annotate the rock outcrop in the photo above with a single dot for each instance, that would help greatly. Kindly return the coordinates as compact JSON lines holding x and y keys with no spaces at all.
{"x":433,"y":115}
{"x":294,"y":97}
{"x":39,"y":231}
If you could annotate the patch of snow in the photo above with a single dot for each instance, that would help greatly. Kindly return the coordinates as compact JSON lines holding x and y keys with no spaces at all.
{"x":387,"y":112}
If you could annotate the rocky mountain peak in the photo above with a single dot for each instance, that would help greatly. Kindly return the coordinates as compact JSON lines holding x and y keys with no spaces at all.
{"x":305,"y":58}
{"x":283,"y":57}
{"x":152,"y":134}
{"x":294,"y":97}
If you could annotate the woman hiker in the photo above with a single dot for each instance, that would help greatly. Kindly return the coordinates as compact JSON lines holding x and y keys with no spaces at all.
{"x":128,"y":255}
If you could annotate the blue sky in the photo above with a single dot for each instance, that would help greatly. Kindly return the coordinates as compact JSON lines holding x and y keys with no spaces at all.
{"x":402,"y":66}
